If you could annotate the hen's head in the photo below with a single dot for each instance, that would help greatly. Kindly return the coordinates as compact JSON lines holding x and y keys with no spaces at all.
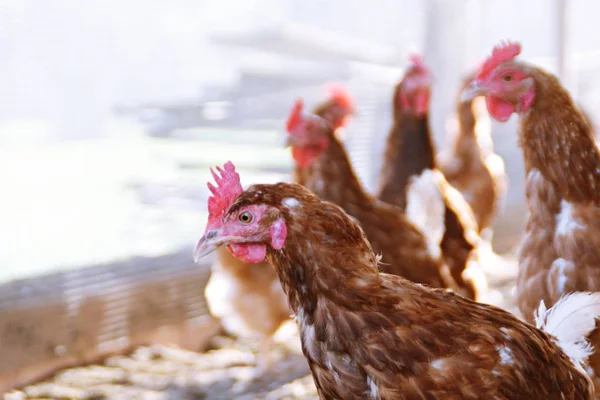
{"x":249,"y":221}
{"x":507,"y":84}
{"x":308,"y":135}
{"x":338,"y":108}
{"x":413,"y":92}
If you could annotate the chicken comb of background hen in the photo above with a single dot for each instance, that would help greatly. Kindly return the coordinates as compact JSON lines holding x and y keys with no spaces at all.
{"x":503,"y":52}
{"x":224,"y":194}
{"x":418,"y":65}
{"x":295,"y":117}
{"x":340,"y":95}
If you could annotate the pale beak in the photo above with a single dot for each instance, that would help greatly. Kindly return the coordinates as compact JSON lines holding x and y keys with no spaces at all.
{"x":290,"y":141}
{"x":206,"y":245}
{"x":474,"y":89}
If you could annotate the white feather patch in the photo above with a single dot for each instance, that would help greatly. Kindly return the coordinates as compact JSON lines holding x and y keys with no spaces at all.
{"x":560,"y":267}
{"x":565,"y":221}
{"x":291,"y":202}
{"x":425,"y":208}
{"x":506,"y":355}
{"x":571,"y":320}
{"x":373,"y":389}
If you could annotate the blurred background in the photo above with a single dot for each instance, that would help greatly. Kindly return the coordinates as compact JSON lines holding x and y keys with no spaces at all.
{"x":111,"y":113}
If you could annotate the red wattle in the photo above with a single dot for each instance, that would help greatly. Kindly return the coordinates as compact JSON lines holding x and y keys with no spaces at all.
{"x":304,"y":156}
{"x":499,"y":109}
{"x":251,"y":253}
{"x":421,"y":102}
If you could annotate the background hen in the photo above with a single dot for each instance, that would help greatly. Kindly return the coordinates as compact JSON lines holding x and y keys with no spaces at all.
{"x":323,"y":166}
{"x":470,"y":164}
{"x":372,"y":335}
{"x":409,"y":152}
{"x":560,"y":251}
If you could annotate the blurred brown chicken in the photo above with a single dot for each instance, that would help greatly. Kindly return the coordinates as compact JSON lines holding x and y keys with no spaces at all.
{"x":409,"y":153}
{"x":560,"y":252}
{"x":323,"y":166}
{"x":369,"y":335}
{"x":471,"y":166}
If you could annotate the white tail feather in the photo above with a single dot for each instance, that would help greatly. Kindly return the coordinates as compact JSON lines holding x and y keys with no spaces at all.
{"x":571,"y":320}
{"x":425,"y":208}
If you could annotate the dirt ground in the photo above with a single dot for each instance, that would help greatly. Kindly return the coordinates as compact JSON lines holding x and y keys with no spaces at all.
{"x":226,"y":372}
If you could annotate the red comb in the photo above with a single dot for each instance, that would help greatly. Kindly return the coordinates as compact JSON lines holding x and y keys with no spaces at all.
{"x":295,"y":116}
{"x":503,"y":52}
{"x":340,"y":95}
{"x":224,"y":194}
{"x":417,"y":62}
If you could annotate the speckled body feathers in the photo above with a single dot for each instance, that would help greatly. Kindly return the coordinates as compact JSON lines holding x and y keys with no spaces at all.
{"x":368,"y":335}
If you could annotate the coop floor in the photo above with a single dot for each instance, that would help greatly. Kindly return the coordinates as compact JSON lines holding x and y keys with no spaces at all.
{"x":226,"y":372}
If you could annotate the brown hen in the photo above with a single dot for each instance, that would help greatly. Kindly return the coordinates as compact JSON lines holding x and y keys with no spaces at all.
{"x":323,"y":166}
{"x":368,"y":335}
{"x":472,"y":167}
{"x":410,"y":152}
{"x":560,"y":252}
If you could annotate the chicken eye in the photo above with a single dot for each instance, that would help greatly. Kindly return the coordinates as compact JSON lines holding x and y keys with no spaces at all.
{"x":245,"y":217}
{"x":507,"y":78}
